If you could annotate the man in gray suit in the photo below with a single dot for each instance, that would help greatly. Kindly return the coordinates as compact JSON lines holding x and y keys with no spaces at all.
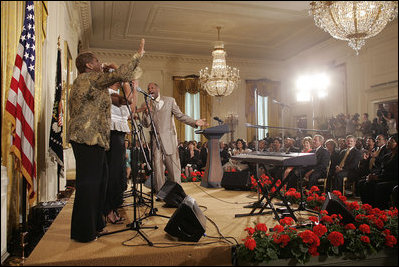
{"x":163,"y":109}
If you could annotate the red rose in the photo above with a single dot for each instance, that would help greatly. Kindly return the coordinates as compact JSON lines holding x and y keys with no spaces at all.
{"x":308,"y":237}
{"x":286,"y":221}
{"x":314,"y":189}
{"x":390,"y":240}
{"x":337,"y":193}
{"x":319,"y":230}
{"x":367,"y":207}
{"x":284,"y":239}
{"x":323,"y":212}
{"x":314,"y":219}
{"x":386,"y":232}
{"x":278,"y":228}
{"x":261,"y":227}
{"x":364,"y":228}
{"x":313,"y":251}
{"x":250,"y":230}
{"x":353,"y":205}
{"x":365,"y":239}
{"x":379,"y":223}
{"x":297,"y":195}
{"x":336,"y":238}
{"x":326,"y":219}
{"x":309,"y":198}
{"x":194,"y":179}
{"x":250,"y":244}
{"x":343,"y":198}
{"x":360,"y":217}
{"x":350,"y":226}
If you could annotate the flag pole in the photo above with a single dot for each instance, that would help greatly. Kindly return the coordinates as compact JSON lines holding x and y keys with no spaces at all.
{"x":24,"y":227}
{"x":58,"y":165}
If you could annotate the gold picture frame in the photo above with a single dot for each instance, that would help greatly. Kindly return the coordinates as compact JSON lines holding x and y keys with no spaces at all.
{"x":66,"y":86}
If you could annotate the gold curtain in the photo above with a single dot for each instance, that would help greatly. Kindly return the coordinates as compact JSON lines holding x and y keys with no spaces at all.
{"x":268,"y":88}
{"x":12,"y":17}
{"x":190,"y":84}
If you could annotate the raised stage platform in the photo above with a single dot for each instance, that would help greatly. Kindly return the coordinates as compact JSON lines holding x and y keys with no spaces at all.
{"x":128,"y":248}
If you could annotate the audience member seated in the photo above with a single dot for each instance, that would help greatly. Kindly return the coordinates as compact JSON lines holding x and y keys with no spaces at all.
{"x":241,"y":147}
{"x":276,"y":145}
{"x":341,"y":144}
{"x":224,"y":152}
{"x":331,"y":147}
{"x":378,"y":155}
{"x":322,"y":160}
{"x":291,"y":174}
{"x":203,"y":156}
{"x":289,"y":145}
{"x":191,"y":159}
{"x":349,"y":161}
{"x":378,"y":186}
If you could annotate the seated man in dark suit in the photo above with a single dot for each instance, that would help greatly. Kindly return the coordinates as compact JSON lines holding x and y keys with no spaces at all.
{"x":378,"y":155}
{"x":349,"y":160}
{"x":322,"y":161}
{"x":378,"y":186}
{"x":289,"y":145}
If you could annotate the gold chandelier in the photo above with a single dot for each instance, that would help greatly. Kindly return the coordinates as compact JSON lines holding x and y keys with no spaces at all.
{"x":353,"y":21}
{"x":222,"y":79}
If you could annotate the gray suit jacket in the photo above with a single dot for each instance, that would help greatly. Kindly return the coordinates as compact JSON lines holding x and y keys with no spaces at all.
{"x":165,"y":125}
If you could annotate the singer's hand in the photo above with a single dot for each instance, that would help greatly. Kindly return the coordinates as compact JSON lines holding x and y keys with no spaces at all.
{"x":201,"y":122}
{"x":141,"y":48}
{"x":135,"y":84}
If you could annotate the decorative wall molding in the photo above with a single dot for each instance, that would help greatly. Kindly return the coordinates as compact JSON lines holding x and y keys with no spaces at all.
{"x":192,"y":59}
{"x":85,"y":22}
{"x":382,"y":86}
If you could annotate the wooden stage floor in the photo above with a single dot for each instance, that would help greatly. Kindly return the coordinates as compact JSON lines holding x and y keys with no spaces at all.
{"x":129,"y":248}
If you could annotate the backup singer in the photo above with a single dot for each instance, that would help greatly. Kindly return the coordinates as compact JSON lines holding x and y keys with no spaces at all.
{"x":89,"y":134}
{"x":116,"y":155}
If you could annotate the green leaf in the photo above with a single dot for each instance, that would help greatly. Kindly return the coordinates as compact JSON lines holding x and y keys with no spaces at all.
{"x":335,"y":250}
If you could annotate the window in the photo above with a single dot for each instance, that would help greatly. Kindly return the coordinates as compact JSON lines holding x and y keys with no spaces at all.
{"x":262,"y":115}
{"x":192,"y":109}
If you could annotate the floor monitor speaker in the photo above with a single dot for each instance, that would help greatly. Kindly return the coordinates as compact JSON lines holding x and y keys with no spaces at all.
{"x":236,"y":180}
{"x":172,"y":194}
{"x":334,"y":205}
{"x":188,"y":223}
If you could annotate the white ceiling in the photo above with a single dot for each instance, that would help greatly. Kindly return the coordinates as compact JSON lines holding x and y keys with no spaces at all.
{"x":264,"y":30}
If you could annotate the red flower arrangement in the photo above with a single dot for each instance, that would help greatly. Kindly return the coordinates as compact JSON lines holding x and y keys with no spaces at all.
{"x":194,"y":176}
{"x":328,"y":237}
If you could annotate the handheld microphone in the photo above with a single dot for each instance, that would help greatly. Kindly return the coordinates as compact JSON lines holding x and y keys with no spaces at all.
{"x":217,"y":119}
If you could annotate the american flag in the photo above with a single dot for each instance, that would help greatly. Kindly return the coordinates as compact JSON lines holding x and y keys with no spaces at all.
{"x":20,"y":106}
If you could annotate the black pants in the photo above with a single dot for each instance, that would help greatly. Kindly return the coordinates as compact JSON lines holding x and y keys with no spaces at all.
{"x":376,"y":193}
{"x":117,"y":181}
{"x":338,"y":180}
{"x":91,"y":183}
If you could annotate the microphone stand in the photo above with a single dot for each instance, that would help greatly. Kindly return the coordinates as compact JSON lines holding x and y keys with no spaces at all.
{"x":153,"y":211}
{"x":136,"y":224}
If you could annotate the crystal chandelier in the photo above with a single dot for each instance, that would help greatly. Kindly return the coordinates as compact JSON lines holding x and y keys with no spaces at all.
{"x":353,"y":21}
{"x":222,"y":79}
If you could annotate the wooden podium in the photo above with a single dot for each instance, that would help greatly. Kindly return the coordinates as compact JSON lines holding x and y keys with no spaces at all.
{"x":213,"y":169}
